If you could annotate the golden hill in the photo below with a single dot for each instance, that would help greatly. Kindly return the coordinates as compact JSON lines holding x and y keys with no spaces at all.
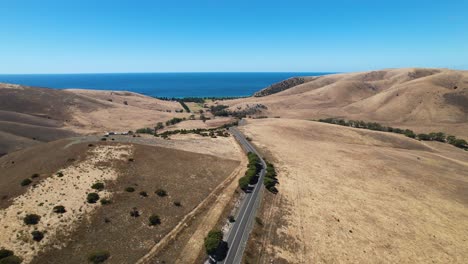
{"x":424,"y":100}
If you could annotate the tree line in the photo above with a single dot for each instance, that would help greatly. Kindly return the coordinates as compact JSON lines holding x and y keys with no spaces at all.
{"x":433,"y":136}
{"x":251,"y":175}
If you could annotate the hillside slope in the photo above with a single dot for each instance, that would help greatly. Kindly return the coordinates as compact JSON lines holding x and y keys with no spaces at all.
{"x":31,"y":115}
{"x":348,"y":195}
{"x":422,"y":99}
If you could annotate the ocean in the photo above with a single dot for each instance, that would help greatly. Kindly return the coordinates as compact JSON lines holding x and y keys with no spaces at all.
{"x":161,"y":84}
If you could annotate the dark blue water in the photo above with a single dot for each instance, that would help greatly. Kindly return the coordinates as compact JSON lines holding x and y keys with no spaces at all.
{"x":160,"y":84}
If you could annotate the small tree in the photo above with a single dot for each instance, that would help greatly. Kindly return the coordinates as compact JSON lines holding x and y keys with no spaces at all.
{"x":98,"y":257}
{"x":31,"y":219}
{"x":143,"y":194}
{"x":98,"y":186}
{"x":92,"y":197}
{"x":212,"y":241}
{"x":26,"y":182}
{"x":37,"y":235}
{"x":59,"y":209}
{"x":154,"y":220}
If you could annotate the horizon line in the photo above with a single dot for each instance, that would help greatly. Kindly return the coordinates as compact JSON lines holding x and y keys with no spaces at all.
{"x":65,"y":73}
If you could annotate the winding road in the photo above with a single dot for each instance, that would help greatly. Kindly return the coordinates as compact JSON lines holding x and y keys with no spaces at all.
{"x":239,"y":233}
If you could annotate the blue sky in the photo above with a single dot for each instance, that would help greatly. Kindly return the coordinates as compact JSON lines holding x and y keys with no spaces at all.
{"x":206,"y":36}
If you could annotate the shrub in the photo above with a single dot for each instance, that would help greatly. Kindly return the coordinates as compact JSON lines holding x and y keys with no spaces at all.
{"x":154,"y":220}
{"x":92,"y":197}
{"x":98,"y":186}
{"x":145,"y":130}
{"x":212,"y":241}
{"x":409,"y":133}
{"x":37,"y":235}
{"x":161,"y":192}
{"x":5,"y":253}
{"x":177,"y":203}
{"x":130,"y":189}
{"x":105,"y":201}
{"x":59,"y":174}
{"x":259,"y":221}
{"x":103,"y":139}
{"x":11,"y":260}
{"x":98,"y":257}
{"x":31,"y":219}
{"x":424,"y":137}
{"x":231,"y":219}
{"x":26,"y":182}
{"x":244,"y":183}
{"x":134,"y":212}
{"x":439,"y":136}
{"x":35,"y":175}
{"x":59,"y":209}
{"x":143,"y":194}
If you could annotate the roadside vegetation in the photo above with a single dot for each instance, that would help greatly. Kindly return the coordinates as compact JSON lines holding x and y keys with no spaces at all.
{"x":251,"y":175}
{"x":434,"y":136}
{"x":212,"y":241}
{"x":270,"y":179}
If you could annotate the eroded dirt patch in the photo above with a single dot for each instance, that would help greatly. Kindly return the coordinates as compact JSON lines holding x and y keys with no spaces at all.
{"x":69,"y":190}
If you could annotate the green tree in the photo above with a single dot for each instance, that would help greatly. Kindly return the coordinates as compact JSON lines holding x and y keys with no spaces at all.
{"x":212,"y":241}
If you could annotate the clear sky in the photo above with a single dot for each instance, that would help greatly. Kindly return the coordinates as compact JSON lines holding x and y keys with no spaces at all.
{"x":86,"y":36}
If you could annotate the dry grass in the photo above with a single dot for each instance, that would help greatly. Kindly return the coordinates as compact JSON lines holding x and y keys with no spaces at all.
{"x":354,"y":196}
{"x":425,"y":100}
{"x":70,"y":191}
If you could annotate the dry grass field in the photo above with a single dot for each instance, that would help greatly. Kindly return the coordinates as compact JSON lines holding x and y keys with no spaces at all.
{"x":31,"y":115}
{"x":187,"y":177}
{"x":356,"y":196}
{"x":419,"y":99}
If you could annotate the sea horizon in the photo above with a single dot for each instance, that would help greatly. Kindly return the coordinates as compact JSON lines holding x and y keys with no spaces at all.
{"x":161,"y":84}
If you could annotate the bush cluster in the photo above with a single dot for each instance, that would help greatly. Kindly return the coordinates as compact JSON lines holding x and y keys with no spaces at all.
{"x":174,"y":121}
{"x":212,"y":241}
{"x":434,"y":136}
{"x":182,"y":103}
{"x":270,"y":179}
{"x":251,"y":175}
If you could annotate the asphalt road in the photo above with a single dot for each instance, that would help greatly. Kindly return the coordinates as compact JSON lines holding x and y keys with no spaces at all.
{"x":239,"y":233}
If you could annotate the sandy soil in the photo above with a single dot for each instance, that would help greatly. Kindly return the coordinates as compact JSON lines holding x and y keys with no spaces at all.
{"x":355,"y":196}
{"x":69,"y":191}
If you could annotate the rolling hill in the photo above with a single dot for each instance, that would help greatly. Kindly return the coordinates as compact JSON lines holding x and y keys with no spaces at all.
{"x":32,"y":115}
{"x":425,"y":100}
